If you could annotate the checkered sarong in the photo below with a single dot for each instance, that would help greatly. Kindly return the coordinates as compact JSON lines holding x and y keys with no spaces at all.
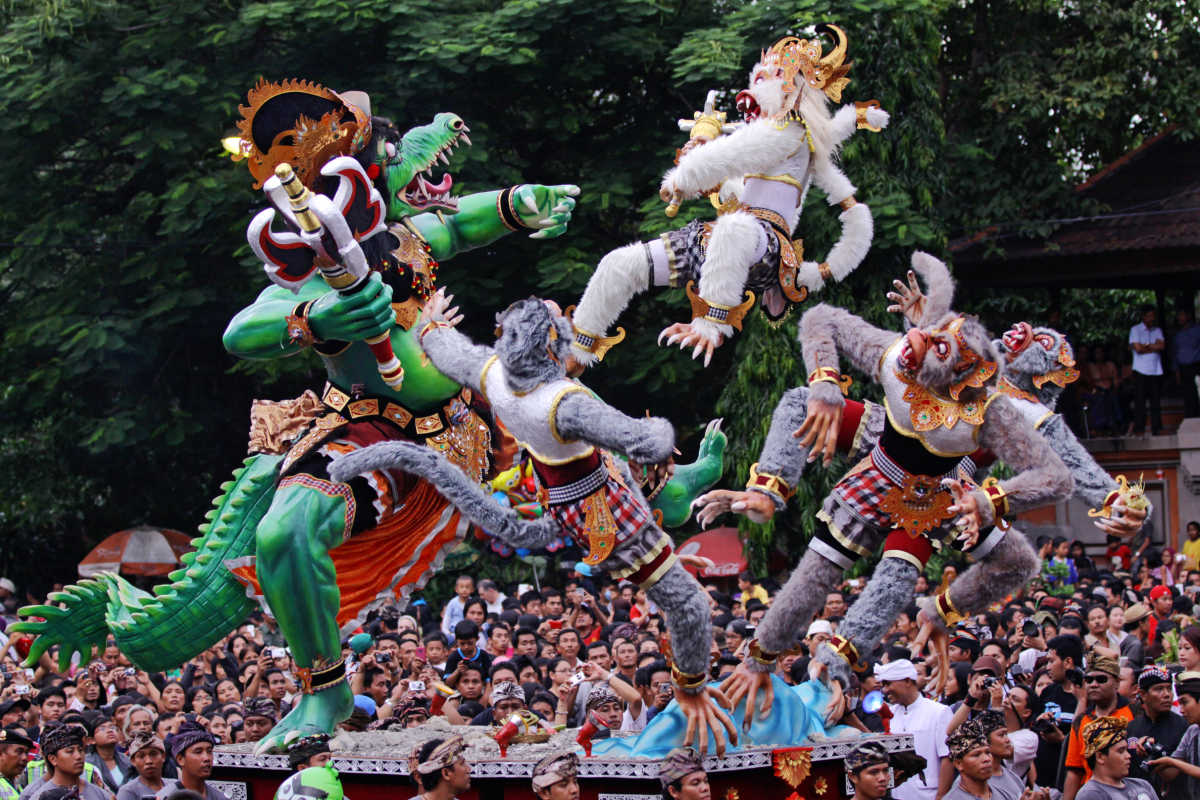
{"x":863,"y":491}
{"x":629,"y":510}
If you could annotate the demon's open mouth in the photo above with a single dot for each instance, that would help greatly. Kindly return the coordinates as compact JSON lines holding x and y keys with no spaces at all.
{"x":1017,"y":338}
{"x":421,"y":192}
{"x":748,"y":106}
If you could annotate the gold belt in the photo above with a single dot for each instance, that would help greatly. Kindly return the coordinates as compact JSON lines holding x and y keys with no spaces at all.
{"x":791,"y":253}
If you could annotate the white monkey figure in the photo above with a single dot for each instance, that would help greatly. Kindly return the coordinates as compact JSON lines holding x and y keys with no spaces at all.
{"x":790,"y":140}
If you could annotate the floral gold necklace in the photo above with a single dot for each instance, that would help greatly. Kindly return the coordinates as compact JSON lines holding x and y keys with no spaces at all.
{"x":928,"y":411}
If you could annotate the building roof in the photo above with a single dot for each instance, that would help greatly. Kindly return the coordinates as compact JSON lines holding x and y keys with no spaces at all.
{"x":1146,"y":236}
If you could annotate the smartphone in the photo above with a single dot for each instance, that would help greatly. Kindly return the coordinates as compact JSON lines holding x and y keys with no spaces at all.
{"x":416,"y":686}
{"x":277,"y":652}
{"x":383,"y":658}
{"x":251,"y":631}
{"x":420,"y":653}
{"x":22,"y":688}
{"x":556,"y":624}
{"x":576,"y":679}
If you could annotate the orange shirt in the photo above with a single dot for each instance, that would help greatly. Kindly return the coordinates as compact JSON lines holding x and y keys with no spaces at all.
{"x":1075,"y":757}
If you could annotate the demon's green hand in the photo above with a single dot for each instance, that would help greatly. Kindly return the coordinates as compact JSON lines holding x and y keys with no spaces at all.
{"x":352,"y":318}
{"x":75,"y":629}
{"x":547,"y":208}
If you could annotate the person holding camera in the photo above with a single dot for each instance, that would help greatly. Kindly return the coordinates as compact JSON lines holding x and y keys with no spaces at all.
{"x":984,"y":691}
{"x":1157,"y":730}
{"x":653,"y":683}
{"x":1183,"y":765}
{"x":1106,"y":751}
{"x":1100,"y":686}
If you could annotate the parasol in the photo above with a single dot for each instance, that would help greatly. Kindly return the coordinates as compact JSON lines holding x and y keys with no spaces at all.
{"x":137,"y":551}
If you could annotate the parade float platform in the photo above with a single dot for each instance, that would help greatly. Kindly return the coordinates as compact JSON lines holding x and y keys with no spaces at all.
{"x":374,"y":766}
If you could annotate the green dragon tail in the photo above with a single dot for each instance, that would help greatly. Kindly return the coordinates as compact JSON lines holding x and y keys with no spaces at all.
{"x":202,"y":603}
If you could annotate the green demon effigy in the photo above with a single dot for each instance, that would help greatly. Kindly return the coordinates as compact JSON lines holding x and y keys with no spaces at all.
{"x":352,"y":241}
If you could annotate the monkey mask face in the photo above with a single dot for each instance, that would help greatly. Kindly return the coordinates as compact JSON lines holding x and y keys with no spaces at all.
{"x":533,"y":343}
{"x":951,"y":358}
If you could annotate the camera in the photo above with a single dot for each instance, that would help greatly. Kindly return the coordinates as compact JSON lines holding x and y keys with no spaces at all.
{"x":22,"y":688}
{"x":1047,"y":725}
{"x":130,"y":671}
{"x":750,"y":630}
{"x":664,"y":687}
{"x":989,"y":683}
{"x":1029,"y":628}
{"x":383,"y":658}
{"x":576,"y":679}
{"x":1152,"y":751}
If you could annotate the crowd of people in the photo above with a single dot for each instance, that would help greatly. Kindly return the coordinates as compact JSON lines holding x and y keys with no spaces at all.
{"x":1023,"y":682}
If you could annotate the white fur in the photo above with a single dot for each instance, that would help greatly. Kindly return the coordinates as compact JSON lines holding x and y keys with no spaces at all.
{"x":857,"y":231}
{"x":835,"y":183}
{"x":758,"y":147}
{"x":620,"y":275}
{"x":736,"y":244}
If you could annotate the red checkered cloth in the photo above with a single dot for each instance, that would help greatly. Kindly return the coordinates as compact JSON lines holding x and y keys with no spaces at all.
{"x":862,"y":493}
{"x":629,"y":510}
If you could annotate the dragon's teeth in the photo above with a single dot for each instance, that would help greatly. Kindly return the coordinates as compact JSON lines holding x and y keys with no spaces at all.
{"x":462,"y":137}
{"x":443,"y":159}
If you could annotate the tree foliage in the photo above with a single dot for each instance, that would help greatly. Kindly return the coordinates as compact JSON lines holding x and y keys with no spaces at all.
{"x":124,"y":253}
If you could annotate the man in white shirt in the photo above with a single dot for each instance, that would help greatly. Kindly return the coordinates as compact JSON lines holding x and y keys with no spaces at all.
{"x":492,"y":595}
{"x":927,"y":720}
{"x":1146,"y":341}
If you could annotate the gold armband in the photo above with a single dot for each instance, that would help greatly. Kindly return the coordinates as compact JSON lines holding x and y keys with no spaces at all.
{"x":432,"y":325}
{"x":849,"y":203}
{"x":298,"y":329}
{"x":825,"y":271}
{"x":845,"y":649}
{"x":946,"y":610}
{"x":687,"y":680}
{"x":999,"y":498}
{"x":771,"y":484}
{"x":860,"y":115}
{"x":831,"y":375}
{"x":715,"y":312}
{"x":763,"y":657}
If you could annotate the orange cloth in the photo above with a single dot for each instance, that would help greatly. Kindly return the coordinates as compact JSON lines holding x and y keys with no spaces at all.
{"x":1075,"y":742}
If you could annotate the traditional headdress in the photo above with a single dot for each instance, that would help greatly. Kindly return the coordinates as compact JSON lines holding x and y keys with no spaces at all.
{"x":599,"y":695}
{"x":189,"y":733}
{"x":990,"y":720}
{"x":980,"y":369}
{"x":143,"y":739}
{"x":866,"y":754}
{"x":1105,"y":664}
{"x":1066,"y":372}
{"x":554,"y":768}
{"x":58,"y":737}
{"x":679,"y":763}
{"x":443,"y":756}
{"x":802,"y":58}
{"x":306,"y":747}
{"x":412,"y":705}
{"x":302,"y":123}
{"x":507,"y":690}
{"x":259,"y":707}
{"x":1151,"y":676}
{"x":966,"y":737}
{"x":1102,"y":734}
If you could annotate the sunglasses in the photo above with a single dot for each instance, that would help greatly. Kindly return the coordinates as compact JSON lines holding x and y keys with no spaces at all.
{"x":1096,"y":678}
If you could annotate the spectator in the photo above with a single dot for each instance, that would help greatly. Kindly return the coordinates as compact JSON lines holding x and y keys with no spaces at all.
{"x":436,"y":651}
{"x":835,"y":606}
{"x":972,"y":759}
{"x":14,"y":748}
{"x":1005,"y":783}
{"x":1107,"y":756}
{"x":554,"y":777}
{"x":964,"y":646}
{"x":492,"y":596}
{"x":452,"y":614}
{"x":1138,"y":621}
{"x":147,"y":754}
{"x":1191,"y":546}
{"x":1115,"y":632}
{"x":1146,"y":341}
{"x":682,"y":776}
{"x":439,"y":769}
{"x":507,"y":698}
{"x":466,"y":651}
{"x":114,"y":767}
{"x":1162,"y":602}
{"x":653,"y":683}
{"x":868,"y":770}
{"x":749,"y":590}
{"x":1185,"y":353}
{"x":256,"y":722}
{"x":1185,"y":761}
{"x":1019,"y":711}
{"x":926,"y":720}
{"x":1100,"y":683}
{"x":1118,"y":555}
{"x":1155,"y":724}
{"x":1189,"y":648}
{"x":1058,"y":571}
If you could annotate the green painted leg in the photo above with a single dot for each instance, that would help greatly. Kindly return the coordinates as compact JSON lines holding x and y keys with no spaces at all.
{"x":690,"y":480}
{"x":300,"y":584}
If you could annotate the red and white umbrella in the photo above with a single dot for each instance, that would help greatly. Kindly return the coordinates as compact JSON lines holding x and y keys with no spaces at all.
{"x":719,"y":545}
{"x":137,"y":551}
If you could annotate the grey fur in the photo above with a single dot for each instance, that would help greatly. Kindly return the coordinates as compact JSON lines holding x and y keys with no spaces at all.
{"x":1035,"y":361}
{"x":826,"y":329}
{"x":1041,"y":477}
{"x":645,"y":440}
{"x":525,"y":345}
{"x":939,"y":287}
{"x":688,"y":618}
{"x":796,"y":604}
{"x":782,"y":454}
{"x":886,"y":595}
{"x":1011,"y":565}
{"x":456,"y":356}
{"x":452,"y":484}
{"x":1092,"y":482}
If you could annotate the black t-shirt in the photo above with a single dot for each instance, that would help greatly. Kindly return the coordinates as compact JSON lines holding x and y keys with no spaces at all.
{"x":1050,"y":756}
{"x":1167,"y":731}
{"x":482,"y":660}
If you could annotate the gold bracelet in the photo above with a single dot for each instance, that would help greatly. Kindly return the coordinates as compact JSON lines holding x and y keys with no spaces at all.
{"x":715,"y":312}
{"x":999,"y":498}
{"x":771,"y":484}
{"x":687,"y":680}
{"x":825,"y":271}
{"x":762,"y":656}
{"x":831,"y":375}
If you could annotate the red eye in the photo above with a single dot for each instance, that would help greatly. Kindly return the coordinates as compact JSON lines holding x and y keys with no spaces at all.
{"x":1045,"y":340}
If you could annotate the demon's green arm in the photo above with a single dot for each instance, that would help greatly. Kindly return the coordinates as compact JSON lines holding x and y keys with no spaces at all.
{"x":543,"y":210}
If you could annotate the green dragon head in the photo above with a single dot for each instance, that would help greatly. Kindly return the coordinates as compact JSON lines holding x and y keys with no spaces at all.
{"x":408,"y":162}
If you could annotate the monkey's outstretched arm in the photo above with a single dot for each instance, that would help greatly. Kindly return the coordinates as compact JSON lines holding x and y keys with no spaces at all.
{"x":826,"y":331}
{"x":456,"y":356}
{"x":649,"y":440}
{"x":1041,"y":477}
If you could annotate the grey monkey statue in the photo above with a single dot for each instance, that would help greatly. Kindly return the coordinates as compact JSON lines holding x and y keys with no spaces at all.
{"x":908,"y":493}
{"x":588,"y":493}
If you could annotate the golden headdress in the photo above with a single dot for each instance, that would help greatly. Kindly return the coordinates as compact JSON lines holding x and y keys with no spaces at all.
{"x":804,"y":57}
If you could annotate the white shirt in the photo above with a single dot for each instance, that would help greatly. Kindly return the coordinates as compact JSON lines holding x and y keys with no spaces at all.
{"x":1025,"y":746}
{"x":1146,"y":363}
{"x":927,"y":721}
{"x":498,"y":606}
